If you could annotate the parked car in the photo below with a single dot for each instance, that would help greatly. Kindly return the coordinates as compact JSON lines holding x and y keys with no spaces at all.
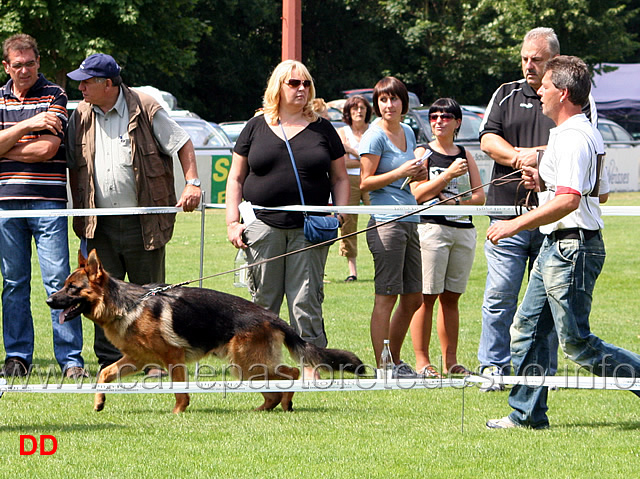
{"x":72,"y":105}
{"x":233,"y":129}
{"x":614,"y":135}
{"x":213,"y":156}
{"x":223,"y":134}
{"x":334,"y":113}
{"x":337,"y":104}
{"x":202,"y":133}
{"x":476,"y":109}
{"x":418,"y":120}
{"x":180,"y":113}
{"x":414,"y":101}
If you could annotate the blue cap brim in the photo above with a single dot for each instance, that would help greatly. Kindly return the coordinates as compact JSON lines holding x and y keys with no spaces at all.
{"x":78,"y":75}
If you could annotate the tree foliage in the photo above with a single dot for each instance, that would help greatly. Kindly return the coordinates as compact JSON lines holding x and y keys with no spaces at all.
{"x":235,"y":58}
{"x":464,"y":49}
{"x":216,"y":55}
{"x":148,"y":38}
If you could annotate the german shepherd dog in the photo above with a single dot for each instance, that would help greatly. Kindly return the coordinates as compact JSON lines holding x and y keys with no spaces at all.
{"x":182,"y":325}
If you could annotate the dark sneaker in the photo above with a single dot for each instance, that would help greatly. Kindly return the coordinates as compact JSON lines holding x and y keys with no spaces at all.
{"x":14,"y":367}
{"x":75,"y":372}
{"x":403,"y":371}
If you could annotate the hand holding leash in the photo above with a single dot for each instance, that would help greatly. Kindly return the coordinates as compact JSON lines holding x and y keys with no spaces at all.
{"x":530,"y":178}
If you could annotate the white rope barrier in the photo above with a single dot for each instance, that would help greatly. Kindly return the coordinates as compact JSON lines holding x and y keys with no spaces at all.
{"x":88,"y":212}
{"x":166,"y":386}
{"x":443,"y":210}
{"x":568,"y":382}
{"x":382,"y":210}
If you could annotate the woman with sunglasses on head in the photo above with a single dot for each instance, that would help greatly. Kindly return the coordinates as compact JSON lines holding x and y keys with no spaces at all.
{"x":447,"y":243}
{"x":262,"y":173}
{"x":386,"y":160}
{"x":356,"y":113}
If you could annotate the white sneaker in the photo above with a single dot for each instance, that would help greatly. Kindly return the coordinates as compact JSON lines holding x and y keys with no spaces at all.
{"x":495,"y":384}
{"x":502,"y":423}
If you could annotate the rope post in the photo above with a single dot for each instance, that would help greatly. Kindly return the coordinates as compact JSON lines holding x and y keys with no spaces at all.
{"x":202,"y":216}
{"x":462,"y":412}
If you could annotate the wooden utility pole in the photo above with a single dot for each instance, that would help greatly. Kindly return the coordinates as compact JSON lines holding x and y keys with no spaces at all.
{"x":292,"y":30}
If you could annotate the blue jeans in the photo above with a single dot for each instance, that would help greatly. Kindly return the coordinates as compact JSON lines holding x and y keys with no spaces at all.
{"x":52,"y":244}
{"x":560,"y":292}
{"x":506,"y":267}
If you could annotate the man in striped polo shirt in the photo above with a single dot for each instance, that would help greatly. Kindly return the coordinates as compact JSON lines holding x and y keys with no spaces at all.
{"x":33,"y":118}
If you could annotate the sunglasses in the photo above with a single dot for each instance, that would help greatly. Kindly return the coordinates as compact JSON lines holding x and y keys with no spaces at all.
{"x":295,"y":83}
{"x":20,"y":66}
{"x":442,"y":116}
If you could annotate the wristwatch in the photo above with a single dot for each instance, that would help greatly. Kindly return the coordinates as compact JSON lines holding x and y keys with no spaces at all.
{"x":194,"y":182}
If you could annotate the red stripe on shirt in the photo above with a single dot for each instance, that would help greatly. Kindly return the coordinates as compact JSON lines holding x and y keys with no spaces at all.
{"x":565,"y":190}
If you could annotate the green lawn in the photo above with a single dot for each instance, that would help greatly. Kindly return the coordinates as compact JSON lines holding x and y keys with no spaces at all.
{"x":414,"y":433}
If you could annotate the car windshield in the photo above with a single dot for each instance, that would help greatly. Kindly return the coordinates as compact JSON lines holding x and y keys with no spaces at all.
{"x":620,"y":133}
{"x":202,"y":134}
{"x":233,"y":130}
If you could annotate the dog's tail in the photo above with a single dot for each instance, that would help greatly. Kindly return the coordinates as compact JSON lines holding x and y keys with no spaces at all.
{"x":332,"y":360}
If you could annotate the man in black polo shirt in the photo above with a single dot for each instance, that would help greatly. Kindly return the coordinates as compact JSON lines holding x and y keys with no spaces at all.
{"x":33,"y":176}
{"x":512,"y":131}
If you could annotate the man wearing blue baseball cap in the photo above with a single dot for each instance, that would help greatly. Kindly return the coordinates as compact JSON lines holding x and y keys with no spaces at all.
{"x":119,"y":155}
{"x":97,"y":65}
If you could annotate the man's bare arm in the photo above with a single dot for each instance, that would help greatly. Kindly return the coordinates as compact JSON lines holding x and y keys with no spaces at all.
{"x":46,"y":120}
{"x":502,"y":152}
{"x":35,"y":151}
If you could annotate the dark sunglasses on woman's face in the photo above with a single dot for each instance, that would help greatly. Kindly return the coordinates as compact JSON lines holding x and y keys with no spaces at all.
{"x":442,"y":116}
{"x":295,"y":83}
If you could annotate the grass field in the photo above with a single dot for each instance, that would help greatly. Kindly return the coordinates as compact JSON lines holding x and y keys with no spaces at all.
{"x":404,"y":434}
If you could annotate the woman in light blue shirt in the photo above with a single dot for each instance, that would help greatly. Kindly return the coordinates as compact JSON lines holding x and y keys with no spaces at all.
{"x":387,"y":159}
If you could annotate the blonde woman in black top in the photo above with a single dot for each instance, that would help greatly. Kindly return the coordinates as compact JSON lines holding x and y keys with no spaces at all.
{"x":262,"y":173}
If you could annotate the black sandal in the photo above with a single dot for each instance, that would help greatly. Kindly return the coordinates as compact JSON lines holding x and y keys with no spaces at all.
{"x":351,"y":278}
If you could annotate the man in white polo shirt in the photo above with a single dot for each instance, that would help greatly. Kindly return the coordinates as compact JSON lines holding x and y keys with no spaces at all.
{"x":572,"y":254}
{"x":119,"y":154}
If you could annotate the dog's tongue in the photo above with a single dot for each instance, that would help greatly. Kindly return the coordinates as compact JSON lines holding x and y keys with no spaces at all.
{"x":64,"y":315}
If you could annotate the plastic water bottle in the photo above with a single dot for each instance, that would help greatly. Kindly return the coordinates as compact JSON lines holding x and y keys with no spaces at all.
{"x":464,"y":186}
{"x":386,"y":361}
{"x":240,"y":276}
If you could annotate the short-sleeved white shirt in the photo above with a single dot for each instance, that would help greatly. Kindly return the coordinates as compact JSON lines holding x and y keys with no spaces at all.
{"x":569,"y":167}
{"x":113,"y":174}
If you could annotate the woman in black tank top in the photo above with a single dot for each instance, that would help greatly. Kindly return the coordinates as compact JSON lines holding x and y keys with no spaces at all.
{"x":447,"y":243}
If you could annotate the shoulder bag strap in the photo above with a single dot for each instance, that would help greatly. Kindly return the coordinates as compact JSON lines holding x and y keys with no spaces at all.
{"x":293,"y":162}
